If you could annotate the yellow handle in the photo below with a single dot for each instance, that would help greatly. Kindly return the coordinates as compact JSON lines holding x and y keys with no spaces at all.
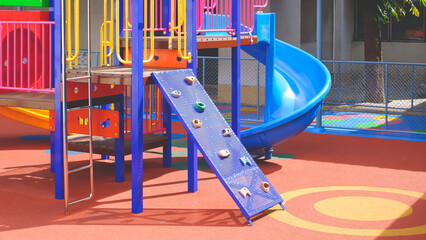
{"x":107,"y":40}
{"x":182,"y":23}
{"x":117,"y":35}
{"x":72,"y":57}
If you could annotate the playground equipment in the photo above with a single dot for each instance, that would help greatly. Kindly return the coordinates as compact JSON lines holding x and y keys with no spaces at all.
{"x":141,"y":82}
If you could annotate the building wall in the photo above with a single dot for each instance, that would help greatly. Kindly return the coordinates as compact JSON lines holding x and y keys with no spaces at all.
{"x":394,"y":52}
{"x":288,"y":15}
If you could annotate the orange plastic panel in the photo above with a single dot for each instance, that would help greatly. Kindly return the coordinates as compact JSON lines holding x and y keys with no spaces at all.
{"x":105,"y":122}
{"x":166,"y":58}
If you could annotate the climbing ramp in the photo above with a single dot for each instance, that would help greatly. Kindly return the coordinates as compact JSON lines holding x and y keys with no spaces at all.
{"x":239,"y":173}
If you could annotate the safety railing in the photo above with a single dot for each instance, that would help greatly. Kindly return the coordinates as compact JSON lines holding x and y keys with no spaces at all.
{"x":153,"y":21}
{"x":153,"y":109}
{"x":216,"y":15}
{"x":107,"y":34}
{"x":26,"y":56}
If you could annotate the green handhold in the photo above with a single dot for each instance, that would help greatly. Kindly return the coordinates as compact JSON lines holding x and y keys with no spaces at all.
{"x":199,"y":106}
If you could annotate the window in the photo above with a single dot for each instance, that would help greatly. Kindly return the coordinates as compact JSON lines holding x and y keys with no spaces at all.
{"x":409,"y":28}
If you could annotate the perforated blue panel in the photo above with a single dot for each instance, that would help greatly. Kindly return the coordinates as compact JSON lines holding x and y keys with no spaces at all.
{"x":230,"y":171}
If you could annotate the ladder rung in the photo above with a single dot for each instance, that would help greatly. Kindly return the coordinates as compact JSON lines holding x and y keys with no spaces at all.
{"x":81,"y":200}
{"x":78,"y":108}
{"x":78,"y":78}
{"x":75,"y":139}
{"x":80,"y":169}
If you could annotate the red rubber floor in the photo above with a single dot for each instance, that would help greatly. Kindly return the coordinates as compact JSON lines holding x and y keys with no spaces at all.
{"x":335,"y":187}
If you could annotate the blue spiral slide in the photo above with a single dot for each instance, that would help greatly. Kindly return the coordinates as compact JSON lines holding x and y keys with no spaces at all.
{"x":296,"y":85}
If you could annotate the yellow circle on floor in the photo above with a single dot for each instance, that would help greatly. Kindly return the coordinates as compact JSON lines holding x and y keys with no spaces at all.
{"x":363,"y":208}
{"x":288,"y":218}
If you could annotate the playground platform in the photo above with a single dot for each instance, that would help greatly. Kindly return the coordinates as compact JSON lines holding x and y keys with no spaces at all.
{"x":382,"y":179}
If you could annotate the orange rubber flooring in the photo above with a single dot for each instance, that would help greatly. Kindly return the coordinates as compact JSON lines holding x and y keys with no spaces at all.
{"x":335,"y":187}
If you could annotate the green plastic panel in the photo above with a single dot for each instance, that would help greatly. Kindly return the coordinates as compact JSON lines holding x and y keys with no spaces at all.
{"x":25,"y":3}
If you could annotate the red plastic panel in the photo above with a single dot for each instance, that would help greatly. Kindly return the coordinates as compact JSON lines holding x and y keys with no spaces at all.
{"x":105,"y":122}
{"x":79,"y":90}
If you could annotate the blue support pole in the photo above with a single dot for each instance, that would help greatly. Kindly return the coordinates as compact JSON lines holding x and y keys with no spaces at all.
{"x":57,"y":59}
{"x":52,"y":151}
{"x":236,"y":69}
{"x":105,"y":107}
{"x":319,"y":50}
{"x":119,"y":143}
{"x":192,"y":46}
{"x":167,"y":124}
{"x":137,"y":106}
{"x":166,"y":16}
{"x":192,"y":166}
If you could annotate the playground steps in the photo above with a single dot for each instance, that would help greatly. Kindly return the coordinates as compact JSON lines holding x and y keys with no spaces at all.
{"x":221,"y":148}
{"x":106,"y":146}
{"x":203,"y":42}
{"x":116,"y":75}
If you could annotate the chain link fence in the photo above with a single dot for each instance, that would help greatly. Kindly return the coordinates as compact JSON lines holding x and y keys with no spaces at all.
{"x":215,"y":73}
{"x":364,"y":95}
{"x":379,"y":96}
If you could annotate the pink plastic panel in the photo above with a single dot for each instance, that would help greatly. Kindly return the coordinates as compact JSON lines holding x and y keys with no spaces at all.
{"x":26,"y":56}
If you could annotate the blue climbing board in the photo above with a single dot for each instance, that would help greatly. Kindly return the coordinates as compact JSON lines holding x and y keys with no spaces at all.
{"x":235,"y":172}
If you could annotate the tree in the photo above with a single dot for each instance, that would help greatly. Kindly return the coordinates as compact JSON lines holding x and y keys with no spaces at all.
{"x":377,"y":13}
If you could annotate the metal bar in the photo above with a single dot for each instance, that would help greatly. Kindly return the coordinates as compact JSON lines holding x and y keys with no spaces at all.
{"x":89,"y":73}
{"x":386,"y":97}
{"x":64,"y":110}
{"x":57,"y":60}
{"x":43,"y":57}
{"x":372,"y":106}
{"x":236,"y":69}
{"x":192,"y":166}
{"x":79,"y":78}
{"x":412,"y":87}
{"x":258,"y":90}
{"x":319,"y":51}
{"x":79,"y":169}
{"x":137,"y":107}
{"x":21,"y":50}
{"x":52,"y":151}
{"x":204,"y":73}
{"x":119,"y":142}
{"x":81,"y":200}
{"x":338,"y":82}
{"x":379,"y":63}
{"x":192,"y":46}
{"x":167,"y":124}
{"x":14,"y":55}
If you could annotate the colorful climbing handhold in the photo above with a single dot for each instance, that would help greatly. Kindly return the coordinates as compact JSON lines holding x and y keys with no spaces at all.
{"x":265,"y":186}
{"x":244,"y":192}
{"x":176,"y":94}
{"x":245,"y":160}
{"x":224,"y":153}
{"x":199,"y":106}
{"x":226,"y":132}
{"x":197,"y":123}
{"x":190,"y":80}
